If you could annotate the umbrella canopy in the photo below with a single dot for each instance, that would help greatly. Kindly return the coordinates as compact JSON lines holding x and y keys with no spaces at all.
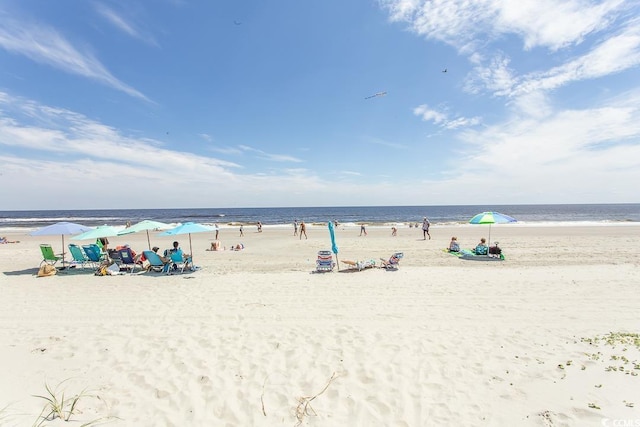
{"x":188,"y":228}
{"x":334,"y":246}
{"x":491,"y":218}
{"x":98,"y":232}
{"x":145,"y":225}
{"x":61,"y":228}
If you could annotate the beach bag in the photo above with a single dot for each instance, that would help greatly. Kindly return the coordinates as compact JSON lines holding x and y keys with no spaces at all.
{"x":495,"y":250}
{"x":47,"y":270}
{"x":101,"y":271}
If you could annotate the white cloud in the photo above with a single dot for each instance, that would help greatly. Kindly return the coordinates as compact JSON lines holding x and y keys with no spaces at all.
{"x":429,"y":115}
{"x":124,"y":24}
{"x":45,"y":45}
{"x":77,"y":156}
{"x":469,"y":25}
{"x":270,"y":156}
{"x":617,"y":53}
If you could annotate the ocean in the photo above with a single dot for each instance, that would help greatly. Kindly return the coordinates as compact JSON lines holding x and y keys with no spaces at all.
{"x":603,"y":214}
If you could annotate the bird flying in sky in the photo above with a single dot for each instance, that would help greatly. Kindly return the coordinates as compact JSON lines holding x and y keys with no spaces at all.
{"x":376,"y":95}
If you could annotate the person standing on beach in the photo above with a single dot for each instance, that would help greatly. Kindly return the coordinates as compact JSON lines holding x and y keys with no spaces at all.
{"x":295,"y":227}
{"x":363,"y":230}
{"x":425,"y":228}
{"x":241,"y":231}
{"x":217,"y":231}
{"x":303,"y":230}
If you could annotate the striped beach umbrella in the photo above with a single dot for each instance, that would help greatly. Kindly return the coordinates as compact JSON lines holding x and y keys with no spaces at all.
{"x":491,"y":218}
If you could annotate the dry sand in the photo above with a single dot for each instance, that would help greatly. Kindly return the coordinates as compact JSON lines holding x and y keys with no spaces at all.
{"x":254,"y":338}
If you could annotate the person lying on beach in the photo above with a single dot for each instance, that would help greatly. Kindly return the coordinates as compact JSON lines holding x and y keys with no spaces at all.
{"x":237,"y":247}
{"x":5,"y":240}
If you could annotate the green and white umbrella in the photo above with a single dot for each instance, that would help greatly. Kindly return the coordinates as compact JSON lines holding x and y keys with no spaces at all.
{"x":491,"y":218}
{"x":145,"y":225}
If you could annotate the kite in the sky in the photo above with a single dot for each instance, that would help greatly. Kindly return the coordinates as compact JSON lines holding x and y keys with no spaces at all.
{"x":376,"y":95}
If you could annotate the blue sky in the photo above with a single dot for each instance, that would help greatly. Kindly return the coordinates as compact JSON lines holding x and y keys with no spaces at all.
{"x":247,"y":103}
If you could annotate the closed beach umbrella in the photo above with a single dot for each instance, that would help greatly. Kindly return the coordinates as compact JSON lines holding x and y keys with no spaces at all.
{"x":98,"y":232}
{"x":61,"y":228}
{"x":145,"y":225}
{"x":188,"y":228}
{"x":334,"y":246}
{"x":491,"y":218}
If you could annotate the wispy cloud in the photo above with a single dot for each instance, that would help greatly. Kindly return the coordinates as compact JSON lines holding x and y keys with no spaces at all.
{"x":470,"y":25}
{"x":45,"y":45}
{"x":440,"y":118}
{"x":269,"y":156}
{"x":124,"y":24}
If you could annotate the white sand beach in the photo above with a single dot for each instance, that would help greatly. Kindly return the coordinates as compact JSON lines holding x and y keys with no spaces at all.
{"x":548,"y":337}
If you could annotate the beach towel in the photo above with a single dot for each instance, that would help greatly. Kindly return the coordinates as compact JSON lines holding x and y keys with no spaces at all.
{"x":470,"y":255}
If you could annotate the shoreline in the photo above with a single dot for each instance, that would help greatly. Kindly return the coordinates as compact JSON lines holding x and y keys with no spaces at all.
{"x":379,"y":225}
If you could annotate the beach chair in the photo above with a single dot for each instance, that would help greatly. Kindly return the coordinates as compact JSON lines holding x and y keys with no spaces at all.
{"x":48,"y":257}
{"x":94,"y":253}
{"x":393,"y":263}
{"x":324,"y":262}
{"x":126,"y":260}
{"x":155,"y":263}
{"x":178,"y":261}
{"x":79,"y":257}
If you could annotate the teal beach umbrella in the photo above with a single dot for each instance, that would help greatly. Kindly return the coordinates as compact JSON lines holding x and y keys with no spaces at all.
{"x":145,"y":225}
{"x":491,"y":218}
{"x":97,"y":233}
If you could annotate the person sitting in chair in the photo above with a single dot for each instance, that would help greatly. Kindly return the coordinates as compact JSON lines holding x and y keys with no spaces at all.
{"x":482,"y":248}
{"x":186,"y":258}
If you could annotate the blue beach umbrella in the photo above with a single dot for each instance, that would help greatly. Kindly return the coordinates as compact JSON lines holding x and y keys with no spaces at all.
{"x":491,"y":218}
{"x":334,"y":247}
{"x":61,"y":228}
{"x":188,"y":228}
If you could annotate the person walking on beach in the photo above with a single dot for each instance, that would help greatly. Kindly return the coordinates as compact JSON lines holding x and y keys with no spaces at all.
{"x":363,"y":230}
{"x":303,"y":230}
{"x":241,"y":231}
{"x":425,"y":228}
{"x":295,"y":227}
{"x":394,"y":231}
{"x":217,"y":232}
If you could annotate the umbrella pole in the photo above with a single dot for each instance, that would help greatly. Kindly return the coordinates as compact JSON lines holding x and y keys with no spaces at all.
{"x":190,"y":250}
{"x":148,"y":241}
{"x":63,"y":250}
